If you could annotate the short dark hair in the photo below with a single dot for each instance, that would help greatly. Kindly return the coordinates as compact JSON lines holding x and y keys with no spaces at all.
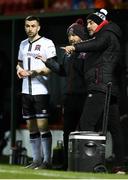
{"x":32,"y":18}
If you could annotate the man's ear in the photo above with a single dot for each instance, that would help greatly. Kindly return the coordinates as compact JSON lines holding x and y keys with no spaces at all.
{"x":38,"y":28}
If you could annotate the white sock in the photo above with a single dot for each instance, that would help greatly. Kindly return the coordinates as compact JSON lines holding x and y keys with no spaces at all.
{"x":36,"y":147}
{"x":46,"y":141}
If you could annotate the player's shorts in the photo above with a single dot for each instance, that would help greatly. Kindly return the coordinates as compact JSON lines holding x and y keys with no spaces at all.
{"x":35,"y":106}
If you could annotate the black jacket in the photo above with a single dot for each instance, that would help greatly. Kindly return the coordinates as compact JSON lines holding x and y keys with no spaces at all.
{"x":102,"y":60}
{"x":71,"y":67}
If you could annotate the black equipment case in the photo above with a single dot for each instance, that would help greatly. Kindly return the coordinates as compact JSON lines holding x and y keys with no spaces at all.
{"x":86,"y":149}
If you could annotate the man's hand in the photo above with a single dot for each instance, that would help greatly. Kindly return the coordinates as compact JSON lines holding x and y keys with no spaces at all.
{"x":21,"y":73}
{"x":69,"y":49}
{"x":33,"y":73}
{"x":42,"y":58}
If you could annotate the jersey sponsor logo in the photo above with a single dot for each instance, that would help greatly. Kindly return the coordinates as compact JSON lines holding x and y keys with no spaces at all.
{"x":34,"y":55}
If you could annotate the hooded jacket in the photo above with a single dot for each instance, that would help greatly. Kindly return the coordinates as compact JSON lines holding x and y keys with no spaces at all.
{"x":102,"y":61}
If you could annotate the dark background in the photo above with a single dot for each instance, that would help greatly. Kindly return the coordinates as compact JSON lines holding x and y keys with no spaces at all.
{"x":53,"y":27}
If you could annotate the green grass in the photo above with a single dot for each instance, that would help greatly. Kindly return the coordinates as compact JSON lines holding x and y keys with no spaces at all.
{"x":19,"y":172}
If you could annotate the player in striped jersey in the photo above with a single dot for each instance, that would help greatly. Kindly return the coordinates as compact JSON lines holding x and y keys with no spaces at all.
{"x":35,"y":91}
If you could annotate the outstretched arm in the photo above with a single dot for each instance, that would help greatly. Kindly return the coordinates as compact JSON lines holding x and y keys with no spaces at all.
{"x":52,"y":64}
{"x":43,"y":71}
{"x":90,"y":45}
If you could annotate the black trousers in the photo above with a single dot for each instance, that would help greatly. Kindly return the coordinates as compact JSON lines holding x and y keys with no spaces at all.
{"x":73,"y":107}
{"x":92,"y":119}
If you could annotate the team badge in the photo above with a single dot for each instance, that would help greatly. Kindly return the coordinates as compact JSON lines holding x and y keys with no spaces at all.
{"x":37,"y":48}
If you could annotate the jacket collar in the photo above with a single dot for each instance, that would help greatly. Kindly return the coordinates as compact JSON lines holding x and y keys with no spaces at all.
{"x":101,"y":25}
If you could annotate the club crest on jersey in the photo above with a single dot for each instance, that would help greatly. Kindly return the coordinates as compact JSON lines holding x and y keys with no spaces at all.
{"x":37,"y":48}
